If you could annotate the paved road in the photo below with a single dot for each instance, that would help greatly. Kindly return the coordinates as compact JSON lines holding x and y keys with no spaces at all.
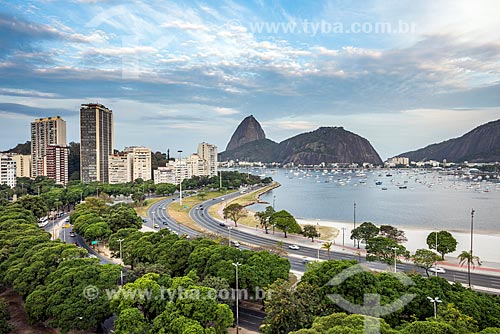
{"x":296,"y":256}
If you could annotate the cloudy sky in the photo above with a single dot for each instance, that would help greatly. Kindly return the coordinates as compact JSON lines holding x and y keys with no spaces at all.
{"x":403,"y":74}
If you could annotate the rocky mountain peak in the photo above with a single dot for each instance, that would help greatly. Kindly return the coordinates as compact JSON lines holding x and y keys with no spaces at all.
{"x":249,"y":130}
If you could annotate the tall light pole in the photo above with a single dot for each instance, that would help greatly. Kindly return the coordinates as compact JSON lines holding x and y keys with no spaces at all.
{"x":121,"y":259}
{"x":237,"y":264}
{"x":229,"y":237}
{"x":343,"y":236}
{"x":97,"y":192}
{"x":435,"y":263}
{"x":180,"y":178}
{"x":153,"y":213}
{"x":220,"y":180}
{"x":434,"y":301}
{"x":471,"y":244}
{"x":274,"y":200}
{"x":395,"y":258}
{"x":354,"y":223}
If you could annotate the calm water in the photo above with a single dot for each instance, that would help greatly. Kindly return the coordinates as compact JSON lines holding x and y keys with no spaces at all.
{"x":431,"y":200}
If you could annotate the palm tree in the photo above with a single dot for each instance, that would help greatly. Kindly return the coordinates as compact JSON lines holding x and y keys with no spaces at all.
{"x":327,"y":246}
{"x":466,"y":257}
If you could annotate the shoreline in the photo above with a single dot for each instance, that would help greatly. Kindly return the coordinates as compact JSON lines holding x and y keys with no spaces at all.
{"x":486,"y":246}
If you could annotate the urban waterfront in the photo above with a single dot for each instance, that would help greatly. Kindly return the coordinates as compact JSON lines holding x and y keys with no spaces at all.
{"x":413,"y":199}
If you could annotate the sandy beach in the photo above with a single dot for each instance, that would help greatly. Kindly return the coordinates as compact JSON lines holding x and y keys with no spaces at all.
{"x":486,"y":246}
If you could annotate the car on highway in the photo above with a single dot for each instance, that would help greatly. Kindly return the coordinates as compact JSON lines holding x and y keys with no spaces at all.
{"x":222,"y":224}
{"x":235,"y":243}
{"x":156,"y":226}
{"x":165,"y":222}
{"x":72,"y":234}
{"x":305,"y":260}
{"x":438,"y":270}
{"x":294,"y":247}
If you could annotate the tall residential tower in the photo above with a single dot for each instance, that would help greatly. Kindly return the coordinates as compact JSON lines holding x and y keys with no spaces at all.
{"x":45,"y":132}
{"x":96,"y":142}
{"x":208,"y":152}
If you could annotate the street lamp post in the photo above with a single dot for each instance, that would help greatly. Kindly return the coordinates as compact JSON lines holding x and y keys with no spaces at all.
{"x":121,"y":259}
{"x":395,"y":258}
{"x":354,"y":223}
{"x":274,"y":200}
{"x":471,"y":244}
{"x":435,"y":263}
{"x":220,"y":180}
{"x":153,"y":213}
{"x":434,"y":301}
{"x":229,"y":237}
{"x":180,"y":178}
{"x":237,"y":264}
{"x":343,"y":236}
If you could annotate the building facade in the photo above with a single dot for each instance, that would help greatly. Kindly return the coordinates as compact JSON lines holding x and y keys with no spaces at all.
{"x":177,"y":171}
{"x":7,"y":171}
{"x":208,"y":152}
{"x":141,"y":162}
{"x":45,"y":132}
{"x":120,"y":168}
{"x":56,"y":163}
{"x":23,"y":165}
{"x":96,"y":142}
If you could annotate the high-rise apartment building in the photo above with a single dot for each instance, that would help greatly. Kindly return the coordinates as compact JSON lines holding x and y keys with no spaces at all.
{"x":45,"y":132}
{"x":120,"y":168}
{"x":208,"y":152}
{"x":141,"y":164}
{"x":56,"y":163}
{"x":7,"y":171}
{"x":23,"y":165}
{"x":96,"y":142}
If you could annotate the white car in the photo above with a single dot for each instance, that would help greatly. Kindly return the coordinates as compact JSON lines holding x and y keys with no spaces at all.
{"x":235,"y":243}
{"x":438,"y":270}
{"x":295,"y":247}
{"x":156,"y":226}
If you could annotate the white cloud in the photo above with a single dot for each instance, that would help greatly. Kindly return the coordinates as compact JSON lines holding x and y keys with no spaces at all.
{"x":226,"y":111}
{"x":25,"y":92}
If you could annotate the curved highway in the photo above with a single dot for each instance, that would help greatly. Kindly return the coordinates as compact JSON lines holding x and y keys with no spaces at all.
{"x":200,"y":215}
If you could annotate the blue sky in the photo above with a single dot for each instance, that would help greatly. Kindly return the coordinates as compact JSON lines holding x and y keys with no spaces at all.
{"x":403,"y":74}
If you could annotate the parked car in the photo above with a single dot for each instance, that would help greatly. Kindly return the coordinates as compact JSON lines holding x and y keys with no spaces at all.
{"x":294,"y":247}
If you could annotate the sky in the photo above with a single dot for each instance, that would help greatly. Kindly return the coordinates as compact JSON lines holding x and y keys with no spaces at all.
{"x":403,"y":74}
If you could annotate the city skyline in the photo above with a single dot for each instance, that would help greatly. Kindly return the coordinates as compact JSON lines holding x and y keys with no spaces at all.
{"x":181,"y":73}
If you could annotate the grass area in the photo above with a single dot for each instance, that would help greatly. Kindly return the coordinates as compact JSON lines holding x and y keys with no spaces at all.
{"x":143,"y":210}
{"x":181,"y":214}
{"x":244,"y":200}
{"x":328,"y":233}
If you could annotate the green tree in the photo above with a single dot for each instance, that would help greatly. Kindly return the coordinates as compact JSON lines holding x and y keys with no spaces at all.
{"x":426,"y":327}
{"x":97,"y":231}
{"x":310,"y":231}
{"x":131,"y":321}
{"x":466,"y":257}
{"x":446,"y":243}
{"x":165,"y":189}
{"x":364,"y":232}
{"x":383,"y":249}
{"x":425,"y":259}
{"x":327,"y":245}
{"x":4,"y":317}
{"x":264,"y":216}
{"x":34,"y":204}
{"x":393,"y":233}
{"x":342,"y":323}
{"x":234,"y":212}
{"x":123,"y":216}
{"x":284,"y":221}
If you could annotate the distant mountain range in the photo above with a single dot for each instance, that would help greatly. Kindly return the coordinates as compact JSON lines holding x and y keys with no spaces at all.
{"x":479,"y":145}
{"x":326,"y":144}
